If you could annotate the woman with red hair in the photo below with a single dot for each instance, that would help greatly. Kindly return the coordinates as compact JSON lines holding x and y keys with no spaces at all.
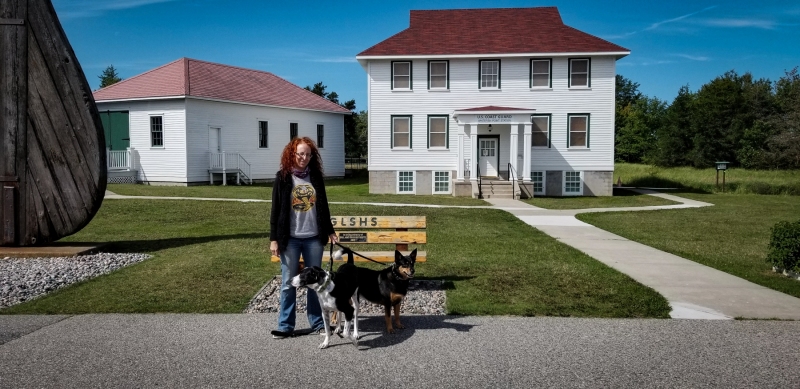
{"x":300,"y":224}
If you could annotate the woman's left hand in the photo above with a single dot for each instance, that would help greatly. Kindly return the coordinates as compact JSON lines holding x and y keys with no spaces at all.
{"x":333,"y":238}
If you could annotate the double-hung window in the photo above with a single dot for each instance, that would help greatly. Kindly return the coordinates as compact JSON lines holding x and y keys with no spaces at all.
{"x":579,"y":73}
{"x":441,"y":182}
{"x":437,"y":75}
{"x":320,"y":135}
{"x":540,"y":73}
{"x":537,"y":178}
{"x":157,"y":131}
{"x":292,"y":130}
{"x":540,"y":131}
{"x":401,"y":75}
{"x":405,"y":182}
{"x":437,"y":132}
{"x":578,"y":132}
{"x":263,"y":134}
{"x":490,"y":74}
{"x":401,"y":132}
{"x":573,"y":184}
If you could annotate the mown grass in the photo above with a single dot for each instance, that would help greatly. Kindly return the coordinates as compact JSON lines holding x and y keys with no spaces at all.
{"x":621,"y":198}
{"x":732,"y":236}
{"x":212,"y":257}
{"x":738,"y":181}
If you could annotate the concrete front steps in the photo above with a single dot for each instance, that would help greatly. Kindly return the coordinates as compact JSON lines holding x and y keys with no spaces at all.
{"x":498,"y":189}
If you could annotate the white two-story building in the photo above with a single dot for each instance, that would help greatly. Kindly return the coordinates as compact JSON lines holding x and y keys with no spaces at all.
{"x":495,"y":94}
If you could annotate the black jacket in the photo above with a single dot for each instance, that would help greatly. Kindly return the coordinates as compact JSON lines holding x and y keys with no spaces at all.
{"x":282,"y":207}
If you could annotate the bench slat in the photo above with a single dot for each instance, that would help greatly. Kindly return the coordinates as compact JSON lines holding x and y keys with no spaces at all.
{"x":402,"y":237}
{"x":380,"y":256}
{"x":343,"y":222}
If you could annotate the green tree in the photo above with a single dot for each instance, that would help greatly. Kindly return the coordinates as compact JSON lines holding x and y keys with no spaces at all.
{"x":674,"y":137}
{"x":637,"y":119}
{"x":109,"y":77}
{"x":355,"y":144}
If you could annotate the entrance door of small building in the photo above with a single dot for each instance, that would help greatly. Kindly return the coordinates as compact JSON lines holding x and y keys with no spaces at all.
{"x":117,"y":129}
{"x":214,"y":134}
{"x":489,"y":155}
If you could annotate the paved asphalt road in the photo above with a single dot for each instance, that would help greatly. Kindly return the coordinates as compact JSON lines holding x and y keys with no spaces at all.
{"x":222,"y":351}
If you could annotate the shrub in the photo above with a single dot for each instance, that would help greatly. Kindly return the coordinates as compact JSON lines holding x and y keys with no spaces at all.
{"x":784,"y":246}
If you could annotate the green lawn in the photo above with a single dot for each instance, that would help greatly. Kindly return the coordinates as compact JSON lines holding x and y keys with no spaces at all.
{"x":621,"y":198}
{"x":212,"y":257}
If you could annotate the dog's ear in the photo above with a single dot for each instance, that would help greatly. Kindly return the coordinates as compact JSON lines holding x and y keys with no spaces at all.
{"x":398,"y":256}
{"x":413,"y":255}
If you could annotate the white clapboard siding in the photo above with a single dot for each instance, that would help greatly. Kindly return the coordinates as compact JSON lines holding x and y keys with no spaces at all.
{"x":559,"y":101}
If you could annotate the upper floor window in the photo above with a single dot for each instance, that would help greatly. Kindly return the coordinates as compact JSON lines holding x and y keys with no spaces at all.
{"x":263,"y":134}
{"x":401,"y":75}
{"x":490,"y":74}
{"x":540,"y":73}
{"x":401,"y":132}
{"x":579,"y":74}
{"x":292,"y":130}
{"x":578,"y":134}
{"x":156,"y":131}
{"x":540,"y":131}
{"x":437,"y":75}
{"x":320,"y":135}
{"x":437,"y":131}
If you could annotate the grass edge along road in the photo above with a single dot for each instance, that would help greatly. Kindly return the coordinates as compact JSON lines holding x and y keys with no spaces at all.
{"x":211,"y":257}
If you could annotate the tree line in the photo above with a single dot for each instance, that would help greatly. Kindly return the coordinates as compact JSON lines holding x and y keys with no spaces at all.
{"x":751,"y":123}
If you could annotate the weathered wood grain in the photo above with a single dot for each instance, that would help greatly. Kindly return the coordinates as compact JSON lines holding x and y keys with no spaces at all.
{"x":378,"y":222}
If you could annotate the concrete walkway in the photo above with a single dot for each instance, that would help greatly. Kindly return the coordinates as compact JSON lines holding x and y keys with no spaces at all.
{"x":694,"y":291}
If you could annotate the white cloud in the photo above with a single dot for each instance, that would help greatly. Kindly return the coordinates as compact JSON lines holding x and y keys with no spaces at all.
{"x":75,"y":9}
{"x":659,"y":24}
{"x":693,"y":57}
{"x":739,"y":23}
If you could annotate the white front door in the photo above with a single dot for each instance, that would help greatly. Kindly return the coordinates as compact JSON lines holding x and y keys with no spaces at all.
{"x":214,"y":140}
{"x":487,"y":152}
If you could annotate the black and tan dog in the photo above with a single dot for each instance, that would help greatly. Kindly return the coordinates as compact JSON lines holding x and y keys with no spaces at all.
{"x":389,"y":286}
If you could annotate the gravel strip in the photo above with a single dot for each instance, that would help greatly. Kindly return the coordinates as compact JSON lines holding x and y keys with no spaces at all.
{"x":424,"y":297}
{"x":24,"y":279}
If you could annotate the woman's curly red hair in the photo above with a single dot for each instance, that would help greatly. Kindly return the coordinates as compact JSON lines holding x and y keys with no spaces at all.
{"x":288,"y":156}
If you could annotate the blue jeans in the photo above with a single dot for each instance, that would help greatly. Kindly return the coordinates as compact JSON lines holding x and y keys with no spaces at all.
{"x":311,"y":250}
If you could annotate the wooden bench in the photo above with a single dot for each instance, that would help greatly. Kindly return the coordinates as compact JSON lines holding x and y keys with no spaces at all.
{"x":379,"y":230}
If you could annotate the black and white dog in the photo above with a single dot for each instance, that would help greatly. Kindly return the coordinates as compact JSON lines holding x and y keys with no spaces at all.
{"x":336,"y":292}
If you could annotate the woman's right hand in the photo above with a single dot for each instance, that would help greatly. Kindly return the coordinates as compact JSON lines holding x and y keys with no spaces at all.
{"x":273,"y":248}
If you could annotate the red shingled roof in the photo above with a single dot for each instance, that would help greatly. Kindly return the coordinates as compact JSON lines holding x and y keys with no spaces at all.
{"x":190,"y":77}
{"x":489,"y":31}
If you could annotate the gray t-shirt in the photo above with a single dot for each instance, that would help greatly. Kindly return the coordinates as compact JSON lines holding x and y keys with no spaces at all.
{"x":303,"y":223}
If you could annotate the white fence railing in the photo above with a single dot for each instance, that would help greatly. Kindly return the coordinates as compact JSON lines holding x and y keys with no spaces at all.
{"x":229,"y":162}
{"x":119,"y":159}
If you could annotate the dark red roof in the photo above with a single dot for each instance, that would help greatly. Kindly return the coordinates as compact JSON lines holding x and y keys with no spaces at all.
{"x":190,"y":77}
{"x":489,"y":31}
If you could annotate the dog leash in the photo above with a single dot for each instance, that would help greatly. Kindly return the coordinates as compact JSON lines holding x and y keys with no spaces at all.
{"x":348,"y":250}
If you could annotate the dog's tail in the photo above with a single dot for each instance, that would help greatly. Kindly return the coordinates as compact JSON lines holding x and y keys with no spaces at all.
{"x":350,"y":259}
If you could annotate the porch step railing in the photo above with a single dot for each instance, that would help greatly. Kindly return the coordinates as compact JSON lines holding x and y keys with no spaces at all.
{"x":119,"y":159}
{"x":232,"y":163}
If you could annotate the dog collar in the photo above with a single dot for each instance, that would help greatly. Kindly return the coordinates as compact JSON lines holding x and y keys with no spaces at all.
{"x":324,"y":284}
{"x":395,"y":272}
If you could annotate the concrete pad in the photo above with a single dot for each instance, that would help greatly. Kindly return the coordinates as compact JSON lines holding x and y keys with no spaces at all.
{"x":692,"y":311}
{"x":569,"y":221}
{"x":16,"y":326}
{"x":51,"y":250}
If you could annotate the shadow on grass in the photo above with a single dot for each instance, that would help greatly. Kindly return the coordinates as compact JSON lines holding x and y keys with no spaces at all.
{"x":169,"y":243}
{"x":668,"y":186}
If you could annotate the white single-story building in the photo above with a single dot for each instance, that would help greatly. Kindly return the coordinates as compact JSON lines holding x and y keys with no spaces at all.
{"x":189,"y":121}
{"x":470,"y":95}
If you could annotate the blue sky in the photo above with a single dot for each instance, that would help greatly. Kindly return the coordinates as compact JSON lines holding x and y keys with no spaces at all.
{"x":672,"y":43}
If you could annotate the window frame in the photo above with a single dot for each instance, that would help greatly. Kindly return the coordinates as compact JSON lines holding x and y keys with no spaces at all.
{"x":413,"y":182}
{"x":569,"y":129}
{"x":320,"y":136}
{"x":263,"y":134}
{"x":160,"y":131}
{"x":448,"y":182}
{"x":480,"y":74}
{"x":543,"y":182}
{"x":588,"y":73}
{"x":564,"y":191}
{"x":446,"y":74}
{"x":549,"y":73}
{"x":294,"y":130}
{"x":446,"y":132}
{"x":549,"y":130}
{"x":410,"y":75}
{"x":392,"y":133}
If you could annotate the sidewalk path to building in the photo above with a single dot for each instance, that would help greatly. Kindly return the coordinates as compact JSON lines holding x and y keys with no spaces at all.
{"x":694,"y":291}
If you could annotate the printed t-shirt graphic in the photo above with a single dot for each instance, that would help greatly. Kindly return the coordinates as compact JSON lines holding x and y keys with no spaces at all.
{"x":303,"y":197}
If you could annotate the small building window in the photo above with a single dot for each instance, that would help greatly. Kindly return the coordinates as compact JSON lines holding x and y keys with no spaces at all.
{"x":401,"y":132}
{"x":573,"y":184}
{"x":320,"y":135}
{"x":579,"y":73}
{"x":263,"y":134}
{"x":441,"y":182}
{"x":156,"y":131}
{"x":538,"y":182}
{"x":437,"y":132}
{"x":292,"y":130}
{"x":540,"y":73}
{"x":540,"y":131}
{"x":578,"y":134}
{"x":438,"y":75}
{"x":405,"y":182}
{"x":401,"y":75}
{"x":490,"y":74}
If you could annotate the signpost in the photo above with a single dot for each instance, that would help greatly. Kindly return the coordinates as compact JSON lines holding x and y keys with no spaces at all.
{"x":722,"y":165}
